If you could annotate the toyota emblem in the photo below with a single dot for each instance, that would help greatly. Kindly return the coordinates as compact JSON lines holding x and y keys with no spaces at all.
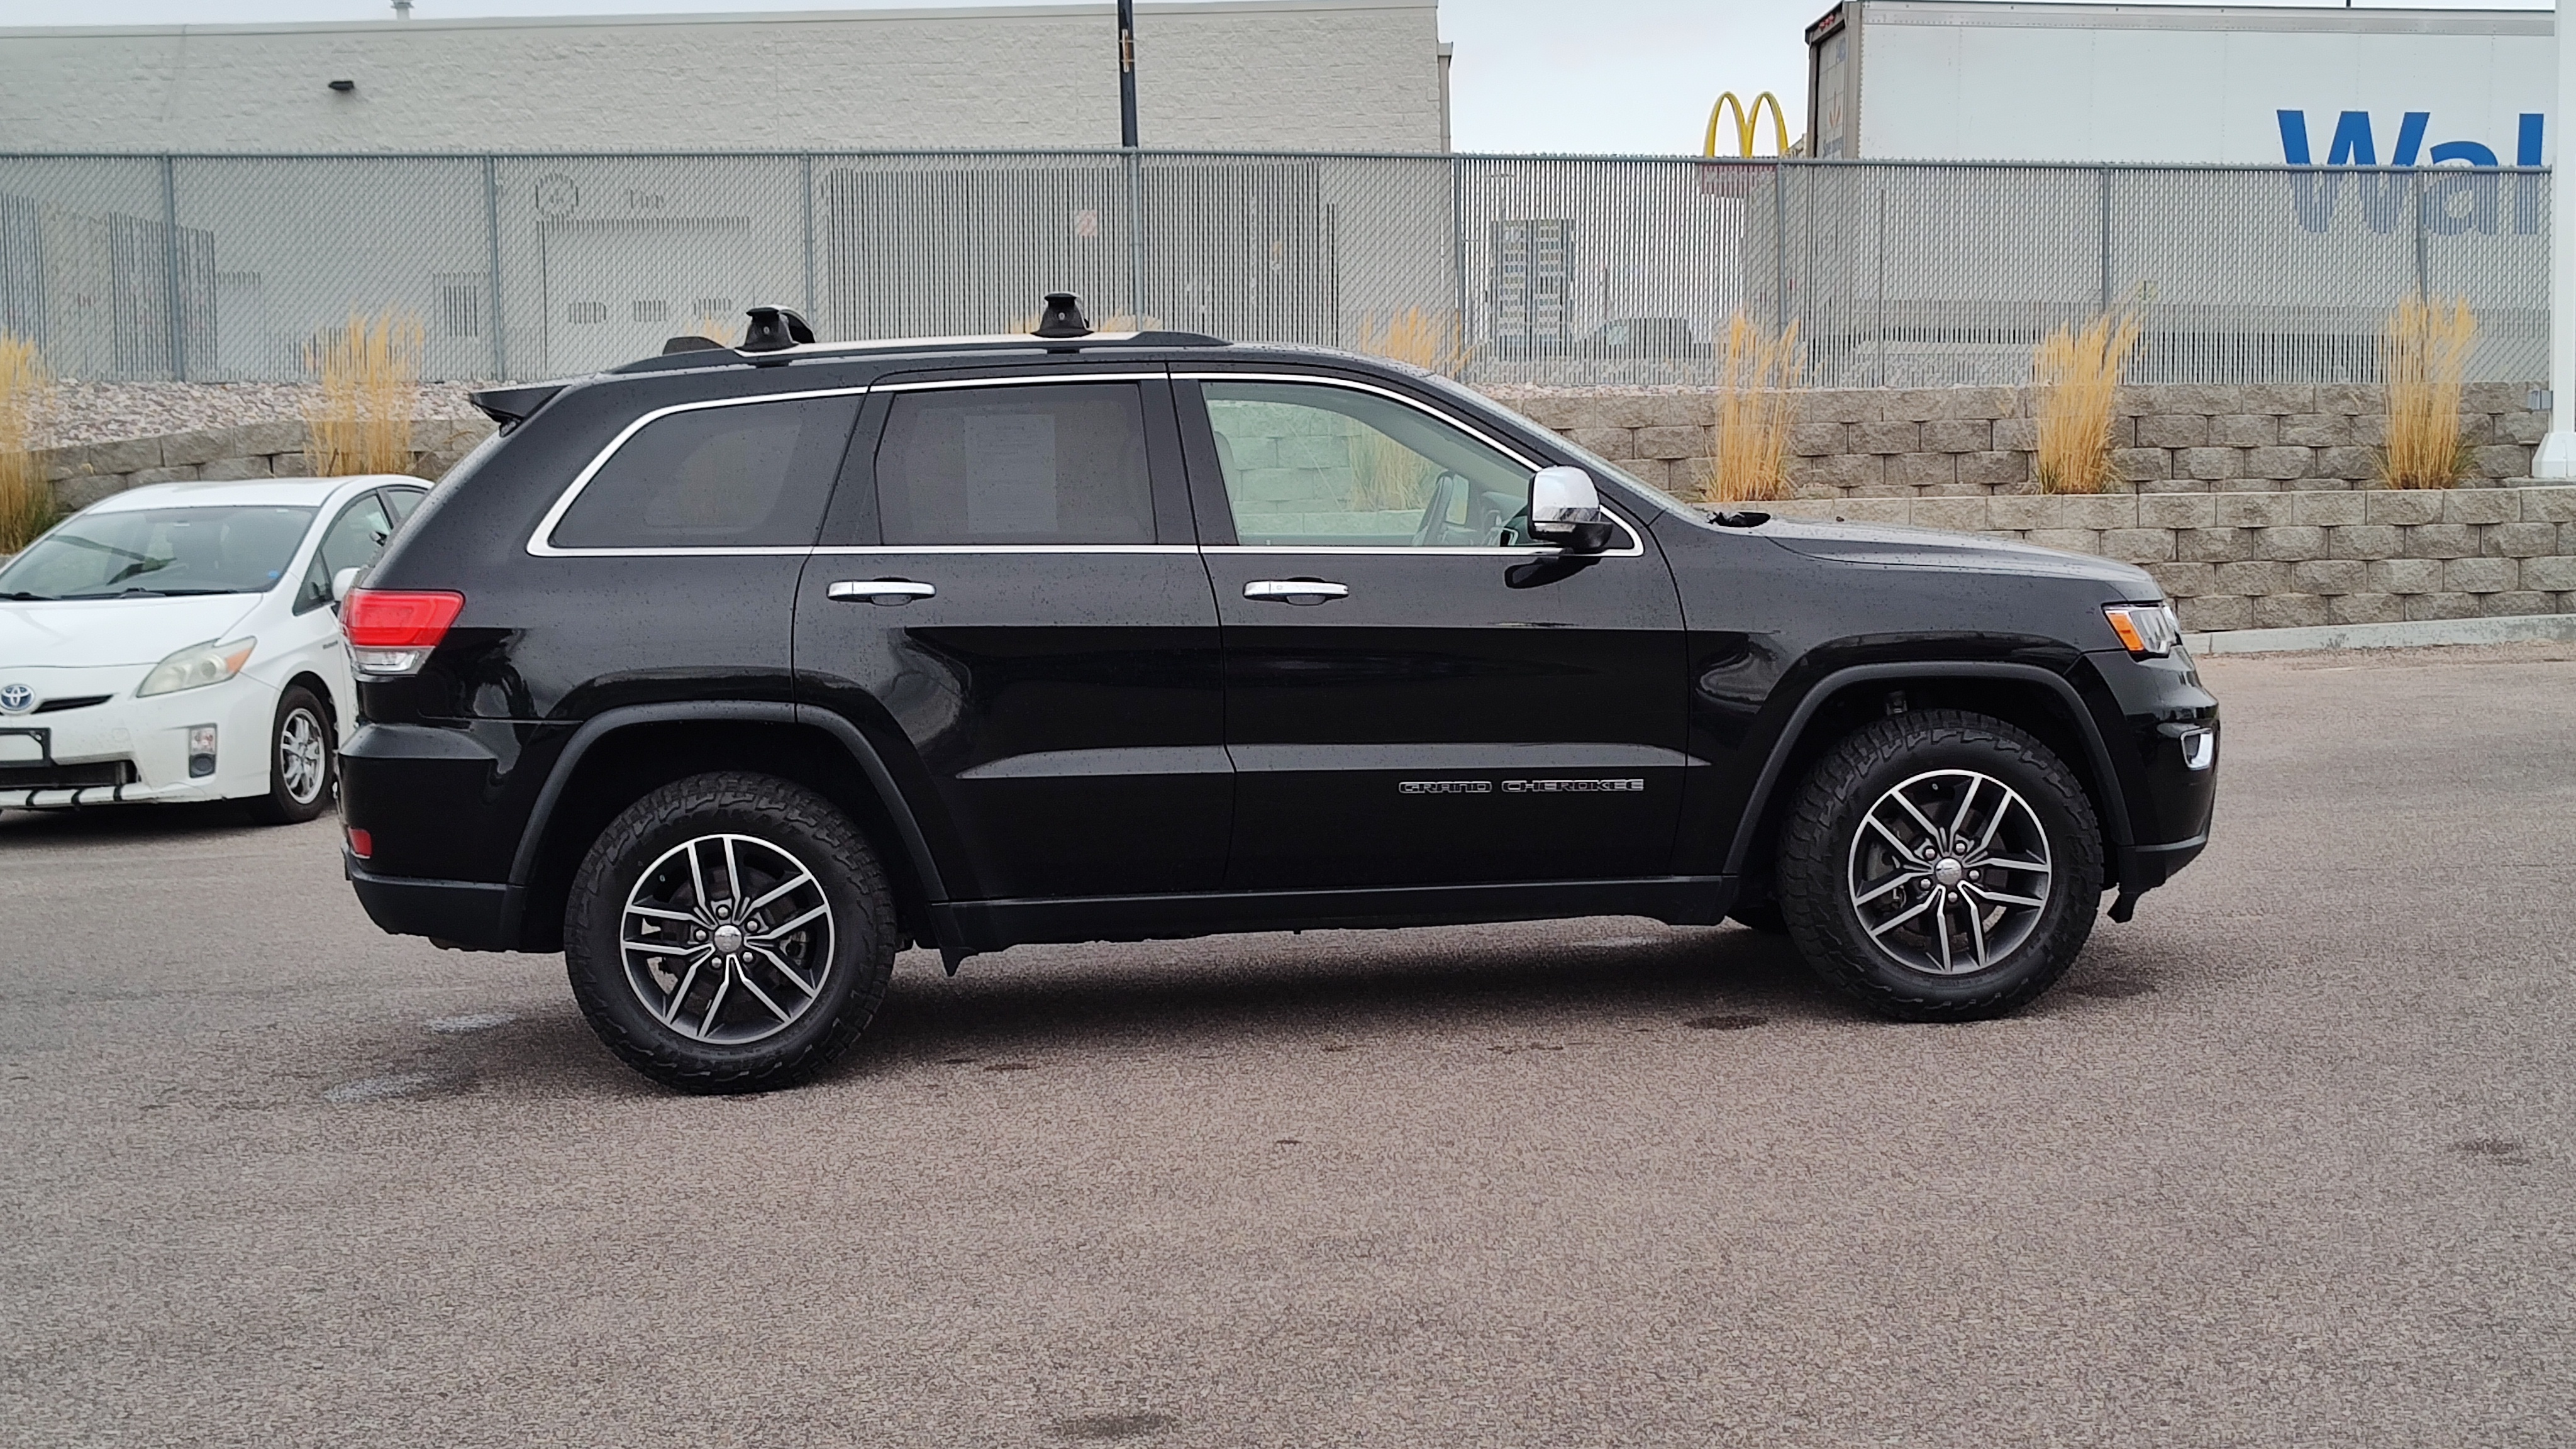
{"x":16,"y":699}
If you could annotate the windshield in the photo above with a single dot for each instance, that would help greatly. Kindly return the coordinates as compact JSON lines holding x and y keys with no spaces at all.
{"x":159,"y":552}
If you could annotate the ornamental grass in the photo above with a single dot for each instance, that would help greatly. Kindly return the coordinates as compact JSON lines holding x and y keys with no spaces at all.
{"x":2076,"y":379}
{"x":2423,"y":356}
{"x":1388,"y":475}
{"x":26,"y":391}
{"x":361,"y":419}
{"x":1758,"y":378}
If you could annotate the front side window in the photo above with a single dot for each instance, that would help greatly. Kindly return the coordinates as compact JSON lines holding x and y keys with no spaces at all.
{"x":750,"y":475}
{"x":148,"y":552}
{"x":1024,"y":465}
{"x":352,"y":542}
{"x":1317,"y":466}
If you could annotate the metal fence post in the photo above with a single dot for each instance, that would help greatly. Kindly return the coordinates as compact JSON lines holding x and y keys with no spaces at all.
{"x":1458,"y":256}
{"x":492,"y":239}
{"x":1881,"y":376}
{"x":2423,"y":282}
{"x":808,"y":159}
{"x":2106,"y":241}
{"x":1780,"y":248}
{"x":170,"y":269}
{"x":1136,"y":235}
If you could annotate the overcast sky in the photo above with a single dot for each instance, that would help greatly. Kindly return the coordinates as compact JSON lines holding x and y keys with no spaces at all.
{"x":1614,"y":76}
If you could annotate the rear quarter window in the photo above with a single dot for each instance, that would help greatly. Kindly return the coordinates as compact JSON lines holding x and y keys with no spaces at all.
{"x":738,"y":475}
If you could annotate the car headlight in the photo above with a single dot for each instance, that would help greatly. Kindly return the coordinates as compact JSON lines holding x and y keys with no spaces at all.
{"x":196,"y":666}
{"x":2147,"y":631}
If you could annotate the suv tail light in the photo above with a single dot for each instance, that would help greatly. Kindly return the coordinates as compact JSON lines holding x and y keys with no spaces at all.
{"x":391,"y":631}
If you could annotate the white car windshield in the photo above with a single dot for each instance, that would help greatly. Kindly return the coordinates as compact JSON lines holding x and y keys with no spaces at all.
{"x":159,"y":552}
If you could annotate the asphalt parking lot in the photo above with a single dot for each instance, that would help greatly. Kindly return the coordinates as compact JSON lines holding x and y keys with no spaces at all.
{"x":2285,"y":1162}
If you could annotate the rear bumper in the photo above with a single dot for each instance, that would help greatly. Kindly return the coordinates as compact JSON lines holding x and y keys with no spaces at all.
{"x":472,"y":915}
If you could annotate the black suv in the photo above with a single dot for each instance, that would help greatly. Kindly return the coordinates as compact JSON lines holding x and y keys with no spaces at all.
{"x":730,"y":672}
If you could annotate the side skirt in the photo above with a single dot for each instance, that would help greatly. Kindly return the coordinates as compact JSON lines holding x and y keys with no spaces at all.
{"x":992,"y":925}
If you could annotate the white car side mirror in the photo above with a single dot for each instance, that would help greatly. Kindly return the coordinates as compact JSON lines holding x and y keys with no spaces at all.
{"x":342,"y":582}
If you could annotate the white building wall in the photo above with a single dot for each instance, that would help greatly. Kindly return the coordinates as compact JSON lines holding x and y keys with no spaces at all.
{"x":1950,"y":81}
{"x":1259,"y":74}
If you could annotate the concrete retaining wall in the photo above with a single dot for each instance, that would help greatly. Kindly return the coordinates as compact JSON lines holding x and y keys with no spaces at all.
{"x":1975,"y":441}
{"x":85,"y":473}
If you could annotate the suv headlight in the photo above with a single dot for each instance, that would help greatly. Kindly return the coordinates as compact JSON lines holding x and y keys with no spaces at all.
{"x":2147,"y":631}
{"x":196,"y":666}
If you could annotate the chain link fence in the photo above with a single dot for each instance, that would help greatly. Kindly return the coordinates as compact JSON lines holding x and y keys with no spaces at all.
{"x":1553,"y":270}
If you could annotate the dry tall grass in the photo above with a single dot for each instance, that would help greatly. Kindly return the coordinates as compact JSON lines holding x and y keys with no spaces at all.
{"x":2077,"y":378}
{"x":1758,"y":377}
{"x":2424,"y":352}
{"x":26,"y":388}
{"x":724,"y":331}
{"x":1414,"y":336}
{"x":1390,"y":475}
{"x":361,"y":420}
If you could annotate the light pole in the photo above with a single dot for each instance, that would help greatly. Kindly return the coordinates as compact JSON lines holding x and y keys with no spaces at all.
{"x":2557,"y":456}
{"x":1127,"y":74}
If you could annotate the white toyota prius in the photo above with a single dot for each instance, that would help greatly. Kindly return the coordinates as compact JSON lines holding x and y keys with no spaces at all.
{"x":180,"y":642}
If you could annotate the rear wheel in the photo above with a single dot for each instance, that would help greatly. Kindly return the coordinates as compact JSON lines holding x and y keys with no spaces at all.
{"x":1940,"y":866}
{"x":730,"y":933}
{"x":301,"y":767}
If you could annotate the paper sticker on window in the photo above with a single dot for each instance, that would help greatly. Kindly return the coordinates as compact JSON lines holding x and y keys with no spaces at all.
{"x":1010,"y":472}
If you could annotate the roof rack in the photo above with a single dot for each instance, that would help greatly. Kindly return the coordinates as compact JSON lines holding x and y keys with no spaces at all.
{"x":778,"y":335}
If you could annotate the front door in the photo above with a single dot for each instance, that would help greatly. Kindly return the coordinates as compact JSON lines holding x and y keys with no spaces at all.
{"x":1009,"y":588}
{"x":1415,"y":694}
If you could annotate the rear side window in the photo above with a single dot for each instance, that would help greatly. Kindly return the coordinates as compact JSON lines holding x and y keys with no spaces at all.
{"x":1041,"y":464}
{"x":750,"y":475}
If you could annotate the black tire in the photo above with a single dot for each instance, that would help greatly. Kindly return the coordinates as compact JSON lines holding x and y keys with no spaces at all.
{"x":300,"y":787}
{"x":1821,"y":868}
{"x":776,"y":828}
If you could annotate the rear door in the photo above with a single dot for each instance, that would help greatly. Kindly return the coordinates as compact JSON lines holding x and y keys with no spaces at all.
{"x":1415,"y":694}
{"x":1009,"y":591}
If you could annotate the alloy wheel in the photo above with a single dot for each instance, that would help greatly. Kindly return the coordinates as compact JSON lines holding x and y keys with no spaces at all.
{"x":727,"y":939}
{"x":1949,"y":872}
{"x":303,"y":759}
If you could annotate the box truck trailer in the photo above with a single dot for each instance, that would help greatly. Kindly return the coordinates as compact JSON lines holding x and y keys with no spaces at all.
{"x":1957,"y":80}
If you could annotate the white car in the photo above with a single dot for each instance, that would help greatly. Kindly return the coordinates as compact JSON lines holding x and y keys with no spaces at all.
{"x":180,"y":642}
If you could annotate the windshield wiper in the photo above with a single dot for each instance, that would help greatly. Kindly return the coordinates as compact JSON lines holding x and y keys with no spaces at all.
{"x":22,"y":596}
{"x":138,"y":591}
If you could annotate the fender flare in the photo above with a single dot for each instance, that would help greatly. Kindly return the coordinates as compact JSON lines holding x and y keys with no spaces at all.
{"x":2115,"y":801}
{"x":608,"y":722}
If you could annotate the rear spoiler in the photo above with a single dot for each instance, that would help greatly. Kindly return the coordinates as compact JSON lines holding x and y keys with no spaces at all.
{"x":510,"y":406}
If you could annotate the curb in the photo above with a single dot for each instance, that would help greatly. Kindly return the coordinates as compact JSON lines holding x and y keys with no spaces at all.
{"x":2414,"y":634}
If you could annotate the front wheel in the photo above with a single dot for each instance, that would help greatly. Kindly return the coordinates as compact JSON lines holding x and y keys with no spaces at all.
{"x":729,"y":933}
{"x":1940,"y":866}
{"x":300,"y":761}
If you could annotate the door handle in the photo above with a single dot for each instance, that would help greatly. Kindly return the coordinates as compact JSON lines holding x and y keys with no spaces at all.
{"x":1295,"y":591}
{"x":888,"y":592}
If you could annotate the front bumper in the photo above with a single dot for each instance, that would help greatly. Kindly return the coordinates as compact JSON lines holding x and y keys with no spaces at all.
{"x":143,"y":740}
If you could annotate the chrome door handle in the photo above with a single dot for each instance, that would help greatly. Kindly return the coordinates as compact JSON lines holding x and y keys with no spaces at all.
{"x":889,"y":592}
{"x":1295,"y":591}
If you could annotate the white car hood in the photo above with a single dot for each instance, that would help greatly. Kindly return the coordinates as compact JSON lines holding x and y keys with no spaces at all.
{"x":90,"y":633}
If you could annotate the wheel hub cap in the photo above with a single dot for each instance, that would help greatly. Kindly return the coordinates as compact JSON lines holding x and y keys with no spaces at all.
{"x":1950,"y":872}
{"x":727,"y":939}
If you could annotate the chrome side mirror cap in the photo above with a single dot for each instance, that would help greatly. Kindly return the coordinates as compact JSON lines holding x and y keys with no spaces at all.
{"x":1565,"y":510}
{"x":341,"y":583}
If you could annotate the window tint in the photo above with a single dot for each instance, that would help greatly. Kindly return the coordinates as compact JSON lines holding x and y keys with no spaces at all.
{"x":752,"y":475}
{"x":1312,"y":465}
{"x":351,"y":542}
{"x":1016,"y":465}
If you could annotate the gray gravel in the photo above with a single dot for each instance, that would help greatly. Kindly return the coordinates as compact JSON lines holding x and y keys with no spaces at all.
{"x":97,"y":412}
{"x":2287,"y":1161}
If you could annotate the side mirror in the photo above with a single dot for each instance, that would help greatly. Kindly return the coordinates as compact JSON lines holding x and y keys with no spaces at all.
{"x":341,"y":583}
{"x":1565,"y":510}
